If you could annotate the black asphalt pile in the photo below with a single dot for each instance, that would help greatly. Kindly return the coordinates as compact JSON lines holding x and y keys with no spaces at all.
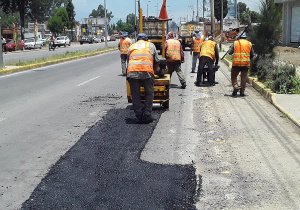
{"x":103,"y":170}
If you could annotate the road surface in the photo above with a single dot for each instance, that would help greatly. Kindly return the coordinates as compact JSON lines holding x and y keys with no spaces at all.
{"x":67,"y":141}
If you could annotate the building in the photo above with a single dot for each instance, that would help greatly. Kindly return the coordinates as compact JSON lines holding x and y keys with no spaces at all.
{"x":290,"y":21}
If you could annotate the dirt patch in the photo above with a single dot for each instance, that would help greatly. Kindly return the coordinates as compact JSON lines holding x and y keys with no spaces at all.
{"x":290,"y":54}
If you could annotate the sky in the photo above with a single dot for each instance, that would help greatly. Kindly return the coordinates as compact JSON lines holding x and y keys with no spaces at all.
{"x":121,"y":8}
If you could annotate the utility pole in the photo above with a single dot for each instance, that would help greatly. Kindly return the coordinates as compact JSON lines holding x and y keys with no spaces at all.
{"x":197,"y":18}
{"x":212,"y":8}
{"x":221,"y":23}
{"x":105,"y":24}
{"x":1,"y":51}
{"x":203,"y":7}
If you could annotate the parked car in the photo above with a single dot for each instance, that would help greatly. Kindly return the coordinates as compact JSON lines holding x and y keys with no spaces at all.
{"x":86,"y":39}
{"x":97,"y":39}
{"x":12,"y":46}
{"x":32,"y":44}
{"x":62,"y":41}
{"x":113,"y":38}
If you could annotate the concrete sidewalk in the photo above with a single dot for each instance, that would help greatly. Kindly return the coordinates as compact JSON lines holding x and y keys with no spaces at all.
{"x":288,"y":104}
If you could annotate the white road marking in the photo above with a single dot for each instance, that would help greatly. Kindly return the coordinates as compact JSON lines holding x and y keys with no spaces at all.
{"x":14,"y":74}
{"x":2,"y":119}
{"x":83,"y":83}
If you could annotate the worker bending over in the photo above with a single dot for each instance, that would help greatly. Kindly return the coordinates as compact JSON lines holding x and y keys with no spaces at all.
{"x":123,"y":46}
{"x":175,"y":56}
{"x":142,"y":57}
{"x":242,"y":52}
{"x":209,"y":53}
{"x":198,"y":39}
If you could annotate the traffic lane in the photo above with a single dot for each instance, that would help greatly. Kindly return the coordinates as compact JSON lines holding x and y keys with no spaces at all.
{"x":245,"y":150}
{"x":31,"y":55}
{"x":103,"y":170}
{"x":50,"y":109}
{"x":23,"y":85}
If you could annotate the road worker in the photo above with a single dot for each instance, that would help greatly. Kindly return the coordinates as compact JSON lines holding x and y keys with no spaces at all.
{"x":242,"y":53}
{"x":123,"y":46}
{"x":175,"y":56}
{"x":142,"y":56}
{"x":198,"y":39}
{"x":209,"y":54}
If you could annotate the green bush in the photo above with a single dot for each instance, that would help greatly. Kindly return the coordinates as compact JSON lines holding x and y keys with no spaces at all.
{"x":278,"y":76}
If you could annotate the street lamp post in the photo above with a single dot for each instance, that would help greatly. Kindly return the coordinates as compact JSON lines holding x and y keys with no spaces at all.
{"x":212,"y":8}
{"x":105,"y":24}
{"x":221,"y":23}
{"x":1,"y":51}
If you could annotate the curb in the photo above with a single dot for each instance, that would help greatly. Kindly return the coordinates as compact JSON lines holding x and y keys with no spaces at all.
{"x":267,"y":94}
{"x":48,"y":63}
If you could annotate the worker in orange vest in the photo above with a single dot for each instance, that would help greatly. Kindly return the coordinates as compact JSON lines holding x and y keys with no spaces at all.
{"x":123,"y":46}
{"x":142,"y":58}
{"x":175,"y":56}
{"x":242,"y":52}
{"x":209,"y":54}
{"x":198,"y":39}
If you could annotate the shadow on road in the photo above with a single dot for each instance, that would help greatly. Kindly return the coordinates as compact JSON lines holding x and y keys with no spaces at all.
{"x":103,"y":170}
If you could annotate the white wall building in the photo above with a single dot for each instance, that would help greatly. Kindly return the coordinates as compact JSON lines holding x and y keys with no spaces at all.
{"x":290,"y":21}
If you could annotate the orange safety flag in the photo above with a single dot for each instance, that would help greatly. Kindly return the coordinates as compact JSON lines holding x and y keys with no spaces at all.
{"x":163,"y":15}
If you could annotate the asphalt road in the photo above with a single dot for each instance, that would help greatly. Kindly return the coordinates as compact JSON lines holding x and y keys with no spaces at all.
{"x":67,"y":141}
{"x":11,"y":58}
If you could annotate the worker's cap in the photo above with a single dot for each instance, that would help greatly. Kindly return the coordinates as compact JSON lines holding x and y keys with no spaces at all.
{"x":244,"y":36}
{"x":198,"y":35}
{"x":210,"y":36}
{"x":124,"y":34}
{"x":170,"y":35}
{"x":142,"y":36}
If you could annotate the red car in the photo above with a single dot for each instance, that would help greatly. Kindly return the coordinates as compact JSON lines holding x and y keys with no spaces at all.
{"x":11,"y":46}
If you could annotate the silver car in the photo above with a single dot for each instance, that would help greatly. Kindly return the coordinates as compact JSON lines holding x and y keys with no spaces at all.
{"x":31,"y":43}
{"x":62,"y":41}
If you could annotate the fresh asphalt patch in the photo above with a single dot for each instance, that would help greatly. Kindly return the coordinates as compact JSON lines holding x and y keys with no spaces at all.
{"x":103,"y":170}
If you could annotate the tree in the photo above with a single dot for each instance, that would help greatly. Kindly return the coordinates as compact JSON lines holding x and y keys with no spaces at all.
{"x":255,"y":16}
{"x":100,"y":12}
{"x":265,"y":37}
{"x":242,"y":7}
{"x":130,"y":19}
{"x":71,"y":16}
{"x":30,"y":10}
{"x":59,"y":21}
{"x":267,"y":34}
{"x":218,"y":9}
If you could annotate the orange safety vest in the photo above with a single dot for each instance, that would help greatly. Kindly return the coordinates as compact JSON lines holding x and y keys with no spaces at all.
{"x":208,"y":49}
{"x":173,"y":50}
{"x":241,"y":54}
{"x":124,"y":45}
{"x":197,"y":43}
{"x":140,"y":57}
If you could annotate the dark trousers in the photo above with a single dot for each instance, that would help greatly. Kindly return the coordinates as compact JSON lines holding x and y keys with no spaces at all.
{"x":244,"y":76}
{"x":124,"y":58}
{"x":210,"y":63}
{"x":176,"y":66}
{"x":139,"y":107}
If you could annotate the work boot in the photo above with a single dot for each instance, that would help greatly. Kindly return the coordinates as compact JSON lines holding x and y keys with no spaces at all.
{"x":197,"y":84}
{"x":146,"y":118}
{"x":242,"y":94}
{"x":234,"y":93}
{"x":183,"y":86}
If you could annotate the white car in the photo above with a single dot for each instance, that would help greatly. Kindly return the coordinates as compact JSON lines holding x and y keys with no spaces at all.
{"x":32,"y":44}
{"x":62,"y":41}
